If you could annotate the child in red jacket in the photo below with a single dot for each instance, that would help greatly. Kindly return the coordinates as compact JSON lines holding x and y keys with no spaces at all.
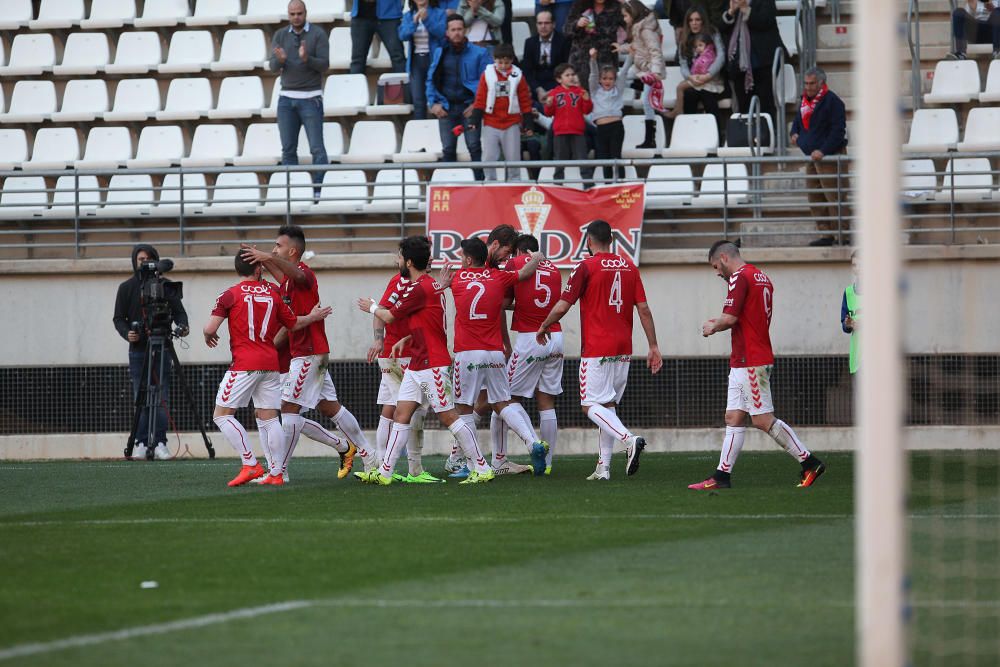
{"x":567,"y":104}
{"x":502,"y":105}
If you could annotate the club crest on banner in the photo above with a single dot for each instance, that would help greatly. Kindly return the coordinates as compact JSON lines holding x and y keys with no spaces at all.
{"x":532,"y":212}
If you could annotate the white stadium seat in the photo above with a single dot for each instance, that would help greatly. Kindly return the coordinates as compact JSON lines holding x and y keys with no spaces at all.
{"x":635,"y":132}
{"x":694,"y":135}
{"x":163,"y":13}
{"x":973,"y":180}
{"x":107,"y":148}
{"x":239,"y":97}
{"x":421,"y":142}
{"x":106,"y":14}
{"x":524,"y":8}
{"x":55,"y":14}
{"x":261,"y":145}
{"x":791,"y":93}
{"x":669,"y":44}
{"x":187,"y":99}
{"x":982,"y":130}
{"x":13,"y":148}
{"x":340,"y":48}
{"x":135,"y":100}
{"x":84,"y":100}
{"x":992,"y":91}
{"x":85,"y":53}
{"x":272,"y":109}
{"x":919,"y":180}
{"x":73,"y":189}
{"x":519,"y":31}
{"x":264,"y":11}
{"x":344,"y":191}
{"x":55,"y":148}
{"x":670,"y":82}
{"x":388,"y":194}
{"x":787,"y":29}
{"x":371,"y":141}
{"x":16,"y":14}
{"x":459,"y":175}
{"x":328,"y":11}
{"x":214,"y":12}
{"x":23,"y":196}
{"x":234,"y":194}
{"x":345,"y":94}
{"x":723,"y":183}
{"x":242,"y":51}
{"x":669,"y":185}
{"x":766,"y":125}
{"x":955,"y":82}
{"x":333,"y":142}
{"x":31,"y":102}
{"x":295,"y":194}
{"x":212,"y":146}
{"x":159,"y":146}
{"x":137,"y":53}
{"x":190,"y":51}
{"x":195,"y":194}
{"x":128,"y":195}
{"x":386,"y":79}
{"x":932,"y":131}
{"x":31,"y":54}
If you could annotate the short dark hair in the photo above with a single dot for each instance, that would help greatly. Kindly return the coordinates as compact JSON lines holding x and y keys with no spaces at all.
{"x":600,"y":231}
{"x":723,"y":246}
{"x":526,"y":243}
{"x":561,"y":69}
{"x":243,"y":267}
{"x":505,"y":235}
{"x":452,"y":18}
{"x":416,"y":249}
{"x":504,"y":51}
{"x":430,"y":3}
{"x":475,"y":249}
{"x":295,"y":234}
{"x":552,"y":16}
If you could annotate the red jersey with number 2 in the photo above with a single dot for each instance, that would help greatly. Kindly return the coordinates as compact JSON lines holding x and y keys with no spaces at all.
{"x":479,"y":294}
{"x":256,"y":313}
{"x":751,"y":301}
{"x":608,"y":287}
{"x":534,"y":297}
{"x":302,"y":299}
{"x":395,"y":330}
{"x":421,"y":305}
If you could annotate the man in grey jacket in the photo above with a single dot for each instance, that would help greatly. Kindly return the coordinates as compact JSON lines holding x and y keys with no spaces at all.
{"x":301,"y":52}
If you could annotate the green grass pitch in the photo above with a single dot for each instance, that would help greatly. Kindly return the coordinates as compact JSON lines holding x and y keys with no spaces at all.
{"x":522,"y":571}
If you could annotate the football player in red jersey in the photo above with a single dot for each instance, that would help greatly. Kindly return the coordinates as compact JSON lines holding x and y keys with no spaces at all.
{"x":747,"y":312}
{"x":421,"y":308}
{"x":255,"y":312}
{"x":308,"y":384}
{"x":608,"y":288}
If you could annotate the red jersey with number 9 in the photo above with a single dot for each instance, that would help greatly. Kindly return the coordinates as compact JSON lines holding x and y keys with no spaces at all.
{"x":534,"y":297}
{"x":421,"y":305}
{"x":479,"y":294}
{"x":608,"y":286}
{"x":395,"y":330}
{"x":302,"y":299}
{"x":256,"y":313}
{"x":751,"y":301}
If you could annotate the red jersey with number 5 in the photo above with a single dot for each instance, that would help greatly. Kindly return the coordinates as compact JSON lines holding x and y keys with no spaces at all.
{"x":479,"y":294}
{"x":608,"y":287}
{"x":395,"y":330}
{"x":751,"y":301}
{"x":256,"y":313}
{"x":534,"y":297}
{"x":302,"y":299}
{"x":421,"y":305}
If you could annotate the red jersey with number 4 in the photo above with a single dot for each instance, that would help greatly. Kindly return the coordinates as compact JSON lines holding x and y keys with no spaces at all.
{"x":479,"y":294}
{"x":608,"y":287}
{"x":397,"y":329}
{"x":302,"y":299}
{"x":534,"y":297}
{"x":421,"y":306}
{"x":750,"y":300}
{"x":256,"y":313}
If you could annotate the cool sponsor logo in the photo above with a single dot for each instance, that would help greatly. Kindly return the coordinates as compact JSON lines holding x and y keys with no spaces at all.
{"x":617,"y":263}
{"x":255,"y":289}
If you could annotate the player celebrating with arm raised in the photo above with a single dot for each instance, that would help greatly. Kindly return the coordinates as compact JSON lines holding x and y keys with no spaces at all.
{"x":608,"y":287}
{"x":747,"y":311}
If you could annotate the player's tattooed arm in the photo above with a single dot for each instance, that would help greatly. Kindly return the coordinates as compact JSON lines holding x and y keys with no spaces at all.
{"x":653,"y":359}
{"x":723,"y":322}
{"x":528,"y":269}
{"x":561,"y":308}
{"x":211,"y":330}
{"x":379,"y":342}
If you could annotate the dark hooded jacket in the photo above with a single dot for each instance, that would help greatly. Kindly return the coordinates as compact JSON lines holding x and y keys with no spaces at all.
{"x":128,"y":308}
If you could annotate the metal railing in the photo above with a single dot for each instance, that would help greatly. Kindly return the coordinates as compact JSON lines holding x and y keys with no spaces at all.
{"x":778,"y":84}
{"x":806,"y":35}
{"x":913,"y":43}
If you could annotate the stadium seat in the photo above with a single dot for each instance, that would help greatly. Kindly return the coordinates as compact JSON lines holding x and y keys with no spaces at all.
{"x":520,"y":31}
{"x":85,"y":53}
{"x":669,"y":43}
{"x":137,"y":53}
{"x":340,"y":48}
{"x":272,"y":109}
{"x":982,"y":130}
{"x":239,"y":97}
{"x":791,"y":93}
{"x":31,"y":54}
{"x":788,"y":28}
{"x":955,"y":82}
{"x":669,"y":185}
{"x":16,"y":14}
{"x":694,"y":135}
{"x":371,"y":141}
{"x":378,"y":57}
{"x":214,"y":12}
{"x":992,"y":90}
{"x":107,"y":148}
{"x":766,"y":124}
{"x":13,"y":149}
{"x":345,"y":94}
{"x":84,"y":100}
{"x":635,"y":131}
{"x":235,"y":194}
{"x":31,"y":102}
{"x":261,"y":145}
{"x":69,"y":191}
{"x":135,"y":100}
{"x":190,"y":51}
{"x":973,"y":180}
{"x":212,"y":146}
{"x":106,"y":14}
{"x":421,"y":142}
{"x":297,"y":188}
{"x":128,"y":195}
{"x":163,"y":13}
{"x":159,"y":146}
{"x":328,"y":11}
{"x":187,"y":99}
{"x":446,"y":176}
{"x":333,"y":142}
{"x":242,"y":51}
{"x":792,"y":5}
{"x":344,"y":191}
{"x":919,"y":180}
{"x":23,"y":196}
{"x":721,"y":184}
{"x":55,"y":148}
{"x":58,"y":14}
{"x":195,"y":195}
{"x":670,"y":82}
{"x":264,"y":11}
{"x":386,"y":79}
{"x":3,"y":52}
{"x":523,"y":8}
{"x":932,"y":131}
{"x":388,"y":194}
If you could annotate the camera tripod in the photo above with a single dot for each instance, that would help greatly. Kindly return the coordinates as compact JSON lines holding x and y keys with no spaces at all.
{"x":148,"y":398}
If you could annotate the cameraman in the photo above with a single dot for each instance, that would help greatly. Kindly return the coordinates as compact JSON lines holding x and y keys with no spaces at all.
{"x":130,"y":321}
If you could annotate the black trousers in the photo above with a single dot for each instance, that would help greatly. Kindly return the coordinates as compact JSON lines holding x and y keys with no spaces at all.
{"x":610,"y":138}
{"x":570,"y":147}
{"x":710,"y":102}
{"x":762,"y":88}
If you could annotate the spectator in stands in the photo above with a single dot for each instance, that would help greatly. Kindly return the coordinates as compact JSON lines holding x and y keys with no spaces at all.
{"x":850,"y":315}
{"x":607,"y":92}
{"x":302,"y":54}
{"x":594,"y":24}
{"x":483,"y":21}
{"x":452,"y":82}
{"x":502,"y":106}
{"x":979,"y":22}
{"x":567,"y":105}
{"x":369,"y":17}
{"x":559,"y":10}
{"x":645,"y":44}
{"x":820,"y":130}
{"x":704,"y":86}
{"x":423,"y":27}
{"x":751,"y":48}
{"x":542,"y":52}
{"x":710,"y":11}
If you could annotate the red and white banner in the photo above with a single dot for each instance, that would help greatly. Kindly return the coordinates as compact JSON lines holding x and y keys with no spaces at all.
{"x":557,"y":216}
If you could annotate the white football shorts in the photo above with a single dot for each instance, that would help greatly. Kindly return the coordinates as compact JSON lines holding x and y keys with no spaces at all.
{"x":392,"y":377}
{"x":533,"y":366}
{"x":479,"y":369}
{"x":308,"y":382}
{"x":603,"y":379}
{"x":239,"y":387}
{"x":750,"y":390}
{"x":431,"y":385}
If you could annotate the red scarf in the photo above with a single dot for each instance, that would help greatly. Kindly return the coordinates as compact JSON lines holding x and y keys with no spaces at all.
{"x":808,"y":106}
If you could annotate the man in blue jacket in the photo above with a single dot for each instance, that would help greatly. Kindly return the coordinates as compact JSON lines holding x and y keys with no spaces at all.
{"x":820,"y":130}
{"x":376,"y":16}
{"x":451,"y":89}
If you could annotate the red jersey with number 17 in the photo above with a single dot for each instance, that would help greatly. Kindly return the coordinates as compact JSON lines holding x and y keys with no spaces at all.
{"x":256,"y":313}
{"x":395,"y":330}
{"x":534,"y":297}
{"x":751,"y":301}
{"x":608,"y":287}
{"x":479,"y":294}
{"x":302,"y":299}
{"x":421,"y":305}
